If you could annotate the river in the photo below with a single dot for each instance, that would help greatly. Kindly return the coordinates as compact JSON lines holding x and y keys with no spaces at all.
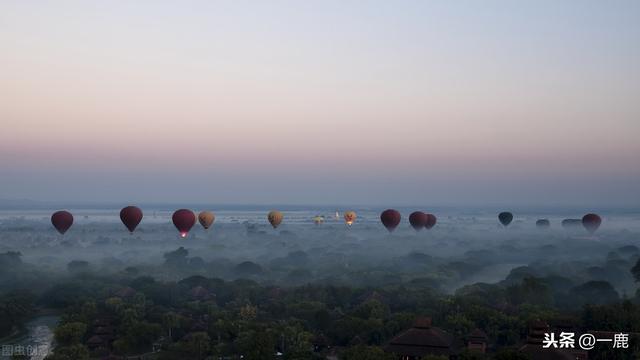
{"x":35,"y":340}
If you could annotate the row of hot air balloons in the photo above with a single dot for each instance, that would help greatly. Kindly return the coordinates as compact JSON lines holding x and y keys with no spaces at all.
{"x":184,"y":219}
{"x":390,"y":218}
{"x":591,"y":221}
{"x":131,"y":216}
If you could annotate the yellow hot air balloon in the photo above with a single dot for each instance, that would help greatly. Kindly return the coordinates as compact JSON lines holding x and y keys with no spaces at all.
{"x":349,"y":217}
{"x":206,"y":219}
{"x":275,"y":218}
{"x":318,"y":219}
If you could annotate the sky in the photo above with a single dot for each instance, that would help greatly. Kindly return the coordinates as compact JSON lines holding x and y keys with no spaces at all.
{"x":321,"y":102}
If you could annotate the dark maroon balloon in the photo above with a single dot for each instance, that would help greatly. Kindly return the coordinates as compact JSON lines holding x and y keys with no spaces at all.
{"x":131,"y":217}
{"x":431,"y":221}
{"x":184,"y":220}
{"x":591,"y":222}
{"x":418,"y":220}
{"x":62,"y":221}
{"x":390,"y":219}
{"x":543,"y":223}
{"x":571,"y":223}
{"x":505,"y":218}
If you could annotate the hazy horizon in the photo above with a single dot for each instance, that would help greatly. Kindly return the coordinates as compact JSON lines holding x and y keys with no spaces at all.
{"x":403,"y":103}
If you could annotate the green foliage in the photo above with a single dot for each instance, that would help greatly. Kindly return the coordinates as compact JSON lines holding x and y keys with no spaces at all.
{"x":78,"y":266}
{"x":176,"y":258}
{"x":15,"y":307}
{"x":257,"y":345}
{"x":363,"y":352}
{"x":595,"y":292}
{"x":305,"y":322}
{"x":510,"y":354}
{"x":435,"y":357}
{"x":635,"y":271}
{"x":196,"y":344}
{"x":10,"y":260}
{"x":72,"y":352}
{"x":472,"y":355}
{"x":531,"y":291}
{"x":137,"y":337}
{"x":70,"y":333}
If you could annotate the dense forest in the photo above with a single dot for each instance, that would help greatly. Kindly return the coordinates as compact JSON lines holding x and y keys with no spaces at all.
{"x":131,"y":312}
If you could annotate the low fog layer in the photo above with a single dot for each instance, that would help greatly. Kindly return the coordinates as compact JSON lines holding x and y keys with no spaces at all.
{"x":459,"y":251}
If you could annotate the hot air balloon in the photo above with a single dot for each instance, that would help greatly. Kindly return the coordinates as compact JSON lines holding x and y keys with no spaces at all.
{"x":184,"y":220}
{"x":431,"y":221}
{"x":62,"y":221}
{"x":275,"y":218}
{"x":505,"y":218}
{"x":418,"y":220}
{"x":591,"y":222}
{"x":318,"y":219}
{"x":390,"y":219}
{"x":131,"y":217}
{"x":206,"y":219}
{"x":542,"y":223}
{"x":571,"y":223}
{"x":349,"y":217}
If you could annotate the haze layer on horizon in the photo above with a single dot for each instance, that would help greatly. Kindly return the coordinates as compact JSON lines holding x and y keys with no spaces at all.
{"x":337,"y":102}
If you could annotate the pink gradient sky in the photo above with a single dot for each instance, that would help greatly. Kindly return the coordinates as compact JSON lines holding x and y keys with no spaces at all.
{"x":321,"y":102}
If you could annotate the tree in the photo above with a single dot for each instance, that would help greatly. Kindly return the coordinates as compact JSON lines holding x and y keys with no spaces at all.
{"x":15,"y":307}
{"x":197,"y":343}
{"x":362,"y":352}
{"x":170,"y":320}
{"x":70,"y":333}
{"x":73,"y":352}
{"x":510,"y":355}
{"x":532,"y":291}
{"x":594,"y":292}
{"x":176,"y":258}
{"x":10,"y":260}
{"x":434,"y":357}
{"x":635,"y":271}
{"x":257,"y":345}
{"x":78,"y":266}
{"x":297,"y":343}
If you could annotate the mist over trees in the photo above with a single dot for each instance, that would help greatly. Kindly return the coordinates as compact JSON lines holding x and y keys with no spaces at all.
{"x":309,"y":291}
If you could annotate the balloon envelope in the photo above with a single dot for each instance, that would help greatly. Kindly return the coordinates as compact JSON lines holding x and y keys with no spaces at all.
{"x":431,"y":221}
{"x":62,"y":221}
{"x":390,"y":219}
{"x":206,"y":219}
{"x":542,"y":223}
{"x":505,"y":218}
{"x":275,"y":218}
{"x":591,"y":222}
{"x":349,"y":217}
{"x":418,"y":220}
{"x":131,"y":217}
{"x":183,"y":219}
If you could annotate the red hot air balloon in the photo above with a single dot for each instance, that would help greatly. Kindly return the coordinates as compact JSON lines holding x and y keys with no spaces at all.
{"x":62,"y":221}
{"x":431,"y":221}
{"x":418,"y":220}
{"x":131,"y":217}
{"x":184,"y":220}
{"x":591,"y":222}
{"x":390,"y":219}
